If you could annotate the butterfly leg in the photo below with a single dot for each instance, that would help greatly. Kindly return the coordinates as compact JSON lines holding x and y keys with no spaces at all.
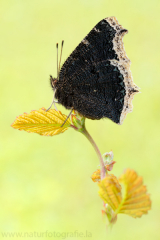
{"x":53,"y":103}
{"x":67,"y":117}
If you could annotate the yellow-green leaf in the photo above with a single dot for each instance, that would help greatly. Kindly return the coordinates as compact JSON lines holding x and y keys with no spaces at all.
{"x":135,"y":201}
{"x":44,"y":123}
{"x":110,"y":191}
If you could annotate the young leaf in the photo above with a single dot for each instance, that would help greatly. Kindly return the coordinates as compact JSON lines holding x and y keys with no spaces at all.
{"x":135,"y":201}
{"x":110,"y":191}
{"x":96,"y":176}
{"x":44,"y":123}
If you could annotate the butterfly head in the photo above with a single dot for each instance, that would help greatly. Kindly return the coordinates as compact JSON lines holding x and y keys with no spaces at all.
{"x":53,"y":82}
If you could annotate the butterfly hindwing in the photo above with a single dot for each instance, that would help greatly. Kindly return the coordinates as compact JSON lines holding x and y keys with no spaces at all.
{"x":96,"y":92}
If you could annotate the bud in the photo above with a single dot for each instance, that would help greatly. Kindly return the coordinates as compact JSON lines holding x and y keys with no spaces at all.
{"x":78,"y":121}
{"x":108,"y":211}
{"x":108,"y":160}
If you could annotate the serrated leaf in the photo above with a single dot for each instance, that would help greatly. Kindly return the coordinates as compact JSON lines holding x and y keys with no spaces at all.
{"x":44,"y":123}
{"x":110,"y":191}
{"x":135,"y":201}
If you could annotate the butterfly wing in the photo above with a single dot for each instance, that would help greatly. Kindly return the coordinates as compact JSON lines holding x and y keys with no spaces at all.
{"x":91,"y":79}
{"x":96,"y":46}
{"x":99,"y":92}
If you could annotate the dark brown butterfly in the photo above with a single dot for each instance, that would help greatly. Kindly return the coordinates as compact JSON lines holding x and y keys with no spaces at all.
{"x":95,"y":79}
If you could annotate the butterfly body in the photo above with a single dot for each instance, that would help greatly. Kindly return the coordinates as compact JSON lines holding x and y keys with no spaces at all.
{"x":95,"y":80}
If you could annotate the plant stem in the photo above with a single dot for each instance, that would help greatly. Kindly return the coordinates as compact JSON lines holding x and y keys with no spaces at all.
{"x":88,"y":136}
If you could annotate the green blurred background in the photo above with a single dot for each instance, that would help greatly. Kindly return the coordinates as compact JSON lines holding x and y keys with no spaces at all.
{"x":45,"y":181}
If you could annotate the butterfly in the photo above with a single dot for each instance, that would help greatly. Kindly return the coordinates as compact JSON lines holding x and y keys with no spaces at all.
{"x":96,"y":80}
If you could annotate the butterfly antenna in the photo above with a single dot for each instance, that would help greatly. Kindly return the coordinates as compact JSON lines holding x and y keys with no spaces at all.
{"x":61,"y":54}
{"x":57,"y":59}
{"x":54,"y":91}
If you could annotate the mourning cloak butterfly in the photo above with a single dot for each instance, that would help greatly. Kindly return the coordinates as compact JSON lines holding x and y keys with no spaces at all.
{"x":96,"y":80}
